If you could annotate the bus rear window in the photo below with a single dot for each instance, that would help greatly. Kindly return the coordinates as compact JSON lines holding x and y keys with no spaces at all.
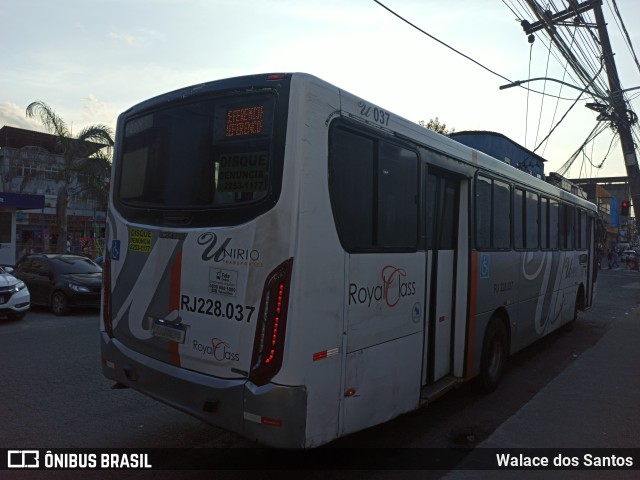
{"x":202,"y":154}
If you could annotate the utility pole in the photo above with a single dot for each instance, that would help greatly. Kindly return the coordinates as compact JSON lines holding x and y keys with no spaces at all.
{"x":621,"y":116}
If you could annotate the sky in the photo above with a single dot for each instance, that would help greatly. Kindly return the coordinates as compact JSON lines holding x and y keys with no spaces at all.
{"x":90,"y":60}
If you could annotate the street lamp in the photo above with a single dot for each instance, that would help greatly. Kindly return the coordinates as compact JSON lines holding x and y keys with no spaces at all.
{"x":517,"y":83}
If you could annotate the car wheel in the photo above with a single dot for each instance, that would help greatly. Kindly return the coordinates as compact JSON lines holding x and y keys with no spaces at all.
{"x":494,"y":355}
{"x":59,"y":303}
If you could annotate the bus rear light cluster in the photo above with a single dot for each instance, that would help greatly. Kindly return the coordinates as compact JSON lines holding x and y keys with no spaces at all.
{"x":276,"y":323}
{"x":268,"y":345}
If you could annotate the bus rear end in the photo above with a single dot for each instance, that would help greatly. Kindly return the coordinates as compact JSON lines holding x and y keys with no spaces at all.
{"x":198,"y":260}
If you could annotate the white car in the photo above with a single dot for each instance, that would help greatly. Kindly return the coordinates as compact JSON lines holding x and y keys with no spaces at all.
{"x":14,"y":295}
{"x":628,"y":255}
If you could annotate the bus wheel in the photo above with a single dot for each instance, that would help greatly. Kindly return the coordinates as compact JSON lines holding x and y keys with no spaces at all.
{"x":567,"y":327}
{"x":494,"y":355}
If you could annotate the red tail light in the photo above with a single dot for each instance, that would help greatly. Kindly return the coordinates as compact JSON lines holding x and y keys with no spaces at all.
{"x":106,"y":294}
{"x":268,"y":345}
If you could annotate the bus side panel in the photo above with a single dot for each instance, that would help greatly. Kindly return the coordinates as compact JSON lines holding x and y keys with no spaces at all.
{"x":537,"y":302}
{"x":385,"y":382}
{"x":314,"y":348}
{"x":384,"y":326}
{"x":497,"y":284}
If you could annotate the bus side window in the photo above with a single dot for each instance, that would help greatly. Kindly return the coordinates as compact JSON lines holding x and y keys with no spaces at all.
{"x":397,"y":197}
{"x":544,"y":223}
{"x":374,"y":192}
{"x":352,"y":188}
{"x":531,"y":221}
{"x":501,"y":215}
{"x":483,"y":202}
{"x":518,"y":218}
{"x":554,"y":225}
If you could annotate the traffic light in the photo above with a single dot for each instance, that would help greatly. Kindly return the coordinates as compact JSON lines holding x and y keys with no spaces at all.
{"x":624,"y":208}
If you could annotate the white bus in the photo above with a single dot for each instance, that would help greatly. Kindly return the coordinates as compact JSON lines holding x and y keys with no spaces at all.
{"x":292,"y":263}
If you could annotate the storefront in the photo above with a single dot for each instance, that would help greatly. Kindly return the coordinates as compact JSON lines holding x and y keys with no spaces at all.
{"x":10,"y":203}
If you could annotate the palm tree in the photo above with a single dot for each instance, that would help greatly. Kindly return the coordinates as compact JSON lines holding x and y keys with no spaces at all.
{"x":77,"y":152}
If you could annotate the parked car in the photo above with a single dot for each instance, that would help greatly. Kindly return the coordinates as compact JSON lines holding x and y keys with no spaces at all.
{"x":14,"y":295}
{"x":61,"y":281}
{"x":628,"y":255}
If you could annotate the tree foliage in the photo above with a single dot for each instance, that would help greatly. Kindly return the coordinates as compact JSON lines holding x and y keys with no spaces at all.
{"x":435,"y":125}
{"x":89,"y":153}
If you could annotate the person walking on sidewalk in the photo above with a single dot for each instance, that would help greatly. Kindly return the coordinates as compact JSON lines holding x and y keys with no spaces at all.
{"x":614,"y":259}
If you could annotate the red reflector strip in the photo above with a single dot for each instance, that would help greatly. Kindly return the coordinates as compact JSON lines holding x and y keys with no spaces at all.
{"x":274,"y":422}
{"x":325,"y":354}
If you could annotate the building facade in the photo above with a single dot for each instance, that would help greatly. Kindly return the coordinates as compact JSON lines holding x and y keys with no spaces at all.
{"x":31,"y":163}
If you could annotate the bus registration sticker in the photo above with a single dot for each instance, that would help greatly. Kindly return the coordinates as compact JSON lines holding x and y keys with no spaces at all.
{"x":169,"y":331}
{"x":223,"y":282}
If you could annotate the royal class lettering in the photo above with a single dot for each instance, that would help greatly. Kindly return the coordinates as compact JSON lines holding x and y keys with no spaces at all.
{"x":218,"y":309}
{"x":392,"y":288}
{"x":219,"y":349}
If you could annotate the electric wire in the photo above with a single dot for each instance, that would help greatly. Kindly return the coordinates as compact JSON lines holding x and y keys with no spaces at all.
{"x":544,"y":89}
{"x":555,"y":110}
{"x":526,"y":114}
{"x":623,"y":29}
{"x":440,"y":41}
{"x":567,"y":112}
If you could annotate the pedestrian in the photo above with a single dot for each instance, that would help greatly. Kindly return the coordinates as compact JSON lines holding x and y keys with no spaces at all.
{"x":615,"y":258}
{"x":68,"y":244}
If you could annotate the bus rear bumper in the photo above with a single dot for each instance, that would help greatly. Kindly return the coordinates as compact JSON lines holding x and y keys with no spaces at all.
{"x":272,"y":415}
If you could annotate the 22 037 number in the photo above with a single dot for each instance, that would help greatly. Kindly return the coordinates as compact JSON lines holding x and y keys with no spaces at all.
{"x":206,"y":306}
{"x":377,"y":114}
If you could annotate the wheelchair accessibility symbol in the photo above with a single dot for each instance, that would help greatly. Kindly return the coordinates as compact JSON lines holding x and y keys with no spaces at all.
{"x":484,"y":266}
{"x":115,"y":250}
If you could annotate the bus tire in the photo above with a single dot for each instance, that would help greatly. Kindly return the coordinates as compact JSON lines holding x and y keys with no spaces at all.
{"x":570,"y":325}
{"x":494,"y":355}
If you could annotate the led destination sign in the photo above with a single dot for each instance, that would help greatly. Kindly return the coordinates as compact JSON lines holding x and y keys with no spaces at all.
{"x":244,"y":121}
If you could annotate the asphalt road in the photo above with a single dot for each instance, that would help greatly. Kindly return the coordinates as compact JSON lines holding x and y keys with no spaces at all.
{"x":54,"y":395}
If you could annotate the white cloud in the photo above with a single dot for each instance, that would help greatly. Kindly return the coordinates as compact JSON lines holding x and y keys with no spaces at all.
{"x":125,"y":37}
{"x":12,"y":115}
{"x":96,"y":111}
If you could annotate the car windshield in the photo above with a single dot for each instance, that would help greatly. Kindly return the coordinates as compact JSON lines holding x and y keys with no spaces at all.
{"x":69,"y":264}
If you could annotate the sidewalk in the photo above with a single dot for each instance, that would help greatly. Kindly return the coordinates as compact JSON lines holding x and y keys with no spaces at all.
{"x":594,"y":403}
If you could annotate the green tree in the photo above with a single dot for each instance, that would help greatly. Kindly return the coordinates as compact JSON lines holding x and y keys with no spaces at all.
{"x":435,"y":125}
{"x":88,"y":153}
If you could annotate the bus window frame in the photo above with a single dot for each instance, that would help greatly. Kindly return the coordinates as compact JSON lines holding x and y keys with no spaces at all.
{"x":376,"y":136}
{"x":219,"y":215}
{"x":490,"y":176}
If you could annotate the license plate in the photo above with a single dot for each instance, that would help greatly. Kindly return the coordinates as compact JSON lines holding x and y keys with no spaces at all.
{"x":169,"y":331}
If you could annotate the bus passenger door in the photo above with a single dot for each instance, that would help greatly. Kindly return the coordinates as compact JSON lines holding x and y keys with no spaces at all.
{"x":442,"y":230}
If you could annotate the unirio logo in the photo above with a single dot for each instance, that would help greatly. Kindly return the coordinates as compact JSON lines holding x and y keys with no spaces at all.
{"x":391,"y":289}
{"x":224,"y":252}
